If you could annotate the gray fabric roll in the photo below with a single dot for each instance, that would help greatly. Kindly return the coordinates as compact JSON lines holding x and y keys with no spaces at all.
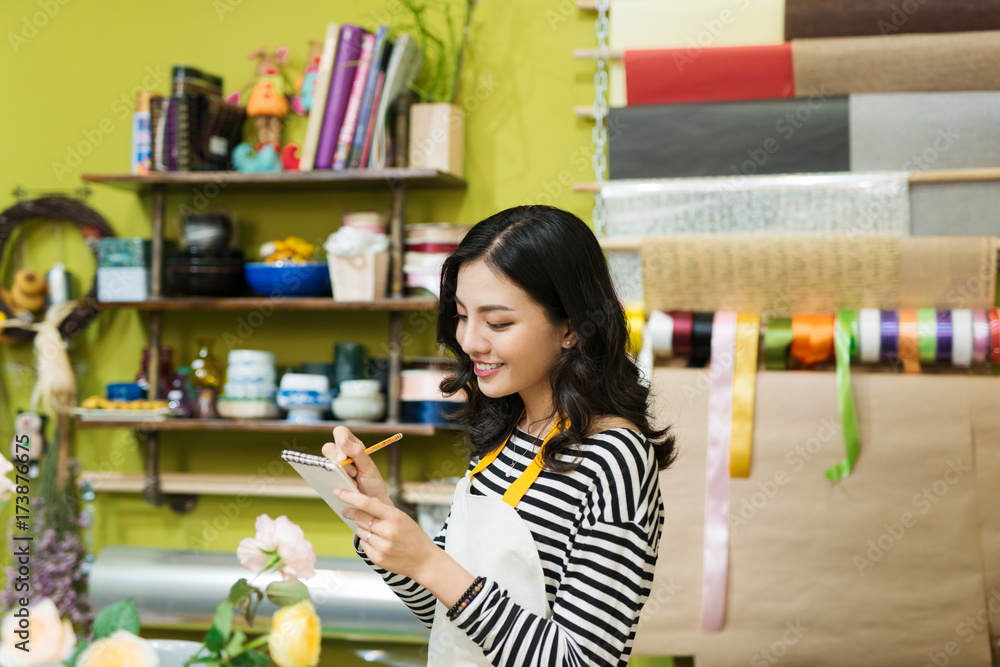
{"x":917,"y":131}
{"x":955,"y":209}
{"x":729,"y":138}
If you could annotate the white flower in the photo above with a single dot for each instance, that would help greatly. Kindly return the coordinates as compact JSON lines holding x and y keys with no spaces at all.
{"x":284,"y":538}
{"x":6,"y":484}
{"x":121,"y":649}
{"x":46,"y":641}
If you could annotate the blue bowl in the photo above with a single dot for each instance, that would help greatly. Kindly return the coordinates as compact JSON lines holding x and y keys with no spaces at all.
{"x":277,"y":279}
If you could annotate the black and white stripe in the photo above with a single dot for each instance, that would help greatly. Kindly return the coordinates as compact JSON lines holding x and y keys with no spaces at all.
{"x":597,"y":530}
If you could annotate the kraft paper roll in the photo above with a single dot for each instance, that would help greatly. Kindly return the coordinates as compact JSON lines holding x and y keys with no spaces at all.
{"x":689,"y":24}
{"x":716,"y":74}
{"x":916,"y":131}
{"x":825,"y":18}
{"x":897,"y":63}
{"x":779,"y":276}
{"x":730,"y":138}
{"x":856,"y":204}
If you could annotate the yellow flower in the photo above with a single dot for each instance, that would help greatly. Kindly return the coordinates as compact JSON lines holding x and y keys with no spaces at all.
{"x":295,"y":636}
{"x":121,"y":649}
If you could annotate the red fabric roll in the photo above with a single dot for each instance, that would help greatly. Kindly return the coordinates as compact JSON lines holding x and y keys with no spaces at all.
{"x":725,"y":73}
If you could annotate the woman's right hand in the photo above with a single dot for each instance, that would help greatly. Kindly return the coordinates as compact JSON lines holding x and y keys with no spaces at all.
{"x":364,"y":471}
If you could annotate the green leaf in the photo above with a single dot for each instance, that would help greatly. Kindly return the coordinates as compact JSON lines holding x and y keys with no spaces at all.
{"x":252,"y":658}
{"x":80,"y":648}
{"x":235,"y":645}
{"x":224,"y":618}
{"x":119,"y":616}
{"x":284,"y":593}
{"x":240,"y":590}
{"x":249,"y":605}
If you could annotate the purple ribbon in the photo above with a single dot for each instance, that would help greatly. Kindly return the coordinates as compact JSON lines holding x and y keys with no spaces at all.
{"x":945,"y":331}
{"x":890,"y":335}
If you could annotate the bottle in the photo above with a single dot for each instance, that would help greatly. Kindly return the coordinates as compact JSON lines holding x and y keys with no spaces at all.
{"x":206,"y":379}
{"x":59,"y":285}
{"x":142,"y":134}
{"x":166,"y":371}
{"x":179,"y":398}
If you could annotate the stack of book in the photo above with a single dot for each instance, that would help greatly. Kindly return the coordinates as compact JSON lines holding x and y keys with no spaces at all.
{"x":194,"y":129}
{"x":361,"y":79}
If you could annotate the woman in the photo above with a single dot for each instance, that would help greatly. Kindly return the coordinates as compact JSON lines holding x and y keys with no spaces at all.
{"x":548,"y":552}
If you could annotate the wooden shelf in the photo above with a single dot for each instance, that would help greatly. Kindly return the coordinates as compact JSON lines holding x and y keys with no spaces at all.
{"x":261,"y":425}
{"x":266,"y":302}
{"x":176,"y":483}
{"x":350,"y":179}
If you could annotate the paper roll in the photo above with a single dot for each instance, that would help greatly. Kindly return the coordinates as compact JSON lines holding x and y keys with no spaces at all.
{"x":917,"y":131}
{"x":716,"y":74}
{"x":897,"y":63}
{"x":823,"y":18}
{"x":730,"y":138}
{"x":853,"y":204}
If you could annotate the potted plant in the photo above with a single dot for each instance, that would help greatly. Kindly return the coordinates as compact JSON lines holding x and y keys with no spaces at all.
{"x":436,"y":122}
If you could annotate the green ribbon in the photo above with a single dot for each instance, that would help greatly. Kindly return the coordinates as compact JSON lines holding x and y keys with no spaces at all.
{"x":927,"y":334}
{"x":842,"y":342}
{"x":777,"y":340}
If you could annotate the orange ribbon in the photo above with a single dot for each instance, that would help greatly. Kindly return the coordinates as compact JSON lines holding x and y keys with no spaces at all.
{"x":812,"y":337}
{"x":909,"y":341}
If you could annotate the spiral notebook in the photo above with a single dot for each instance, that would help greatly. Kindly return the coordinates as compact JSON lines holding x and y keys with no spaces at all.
{"x":324,"y":476}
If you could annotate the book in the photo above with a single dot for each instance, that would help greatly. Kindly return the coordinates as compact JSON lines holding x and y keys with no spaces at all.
{"x":318,"y":110}
{"x":324,"y":476}
{"x":346,"y":137}
{"x":344,"y":68}
{"x":404,"y":66}
{"x":377,"y":65}
{"x":366,"y":147}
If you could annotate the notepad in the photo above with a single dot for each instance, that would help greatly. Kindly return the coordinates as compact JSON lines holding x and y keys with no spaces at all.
{"x":324,"y":476}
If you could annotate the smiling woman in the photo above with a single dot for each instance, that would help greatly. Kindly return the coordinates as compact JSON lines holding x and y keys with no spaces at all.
{"x":548,"y":552}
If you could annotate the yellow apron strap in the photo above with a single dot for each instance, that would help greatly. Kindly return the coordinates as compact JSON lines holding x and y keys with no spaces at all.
{"x":520,"y":485}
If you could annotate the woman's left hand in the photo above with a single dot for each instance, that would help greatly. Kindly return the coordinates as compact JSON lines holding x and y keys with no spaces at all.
{"x":390,"y":538}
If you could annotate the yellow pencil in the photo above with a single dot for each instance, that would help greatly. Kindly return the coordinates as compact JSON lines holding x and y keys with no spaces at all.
{"x":374,"y":448}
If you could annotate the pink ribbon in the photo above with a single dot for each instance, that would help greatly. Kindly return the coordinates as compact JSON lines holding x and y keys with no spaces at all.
{"x":715,"y":562}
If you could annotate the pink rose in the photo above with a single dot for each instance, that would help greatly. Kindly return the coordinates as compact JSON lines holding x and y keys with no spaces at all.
{"x":50,"y":640}
{"x":6,"y":484}
{"x":278,"y":537}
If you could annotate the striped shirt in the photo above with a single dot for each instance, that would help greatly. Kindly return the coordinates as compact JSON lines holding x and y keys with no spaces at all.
{"x":597,"y":530}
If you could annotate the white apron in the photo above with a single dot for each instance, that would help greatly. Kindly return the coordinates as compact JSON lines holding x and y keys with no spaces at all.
{"x":488,"y":538}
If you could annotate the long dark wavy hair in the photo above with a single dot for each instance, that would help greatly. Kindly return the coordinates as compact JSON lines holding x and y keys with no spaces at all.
{"x":554,"y":257}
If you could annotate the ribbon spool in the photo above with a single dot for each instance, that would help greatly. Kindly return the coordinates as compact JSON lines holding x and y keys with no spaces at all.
{"x":812,"y":338}
{"x":869,"y":335}
{"x":701,"y":339}
{"x":661,"y":333}
{"x":962,"y":338}
{"x":945,"y":337}
{"x":980,"y":336}
{"x":927,"y":332}
{"x":889,"y":336}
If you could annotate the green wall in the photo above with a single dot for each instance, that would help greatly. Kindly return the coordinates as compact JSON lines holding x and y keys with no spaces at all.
{"x":71,"y":69}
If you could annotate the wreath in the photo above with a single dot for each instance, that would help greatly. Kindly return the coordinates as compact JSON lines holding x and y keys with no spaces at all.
{"x":92,"y":225}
